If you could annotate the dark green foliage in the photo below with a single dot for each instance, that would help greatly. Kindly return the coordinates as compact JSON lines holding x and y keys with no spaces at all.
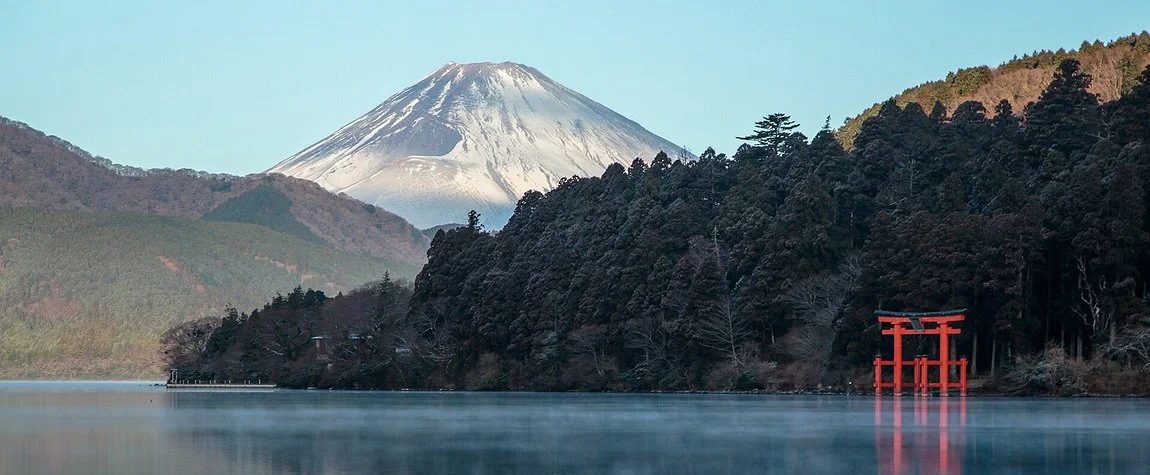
{"x":1130,"y":115}
{"x":938,"y":112}
{"x":1066,"y":116}
{"x":967,"y":81}
{"x":305,"y":338}
{"x":773,"y":133}
{"x":763,"y":270}
{"x":266,"y":206}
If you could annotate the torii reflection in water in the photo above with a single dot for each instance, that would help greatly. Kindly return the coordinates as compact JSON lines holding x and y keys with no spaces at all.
{"x":933,"y":443}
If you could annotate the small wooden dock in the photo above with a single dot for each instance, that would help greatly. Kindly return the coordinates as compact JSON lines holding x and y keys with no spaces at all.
{"x":217,"y":385}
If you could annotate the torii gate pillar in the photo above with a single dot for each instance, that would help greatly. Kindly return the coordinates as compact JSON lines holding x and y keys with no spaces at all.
{"x":917,"y":322}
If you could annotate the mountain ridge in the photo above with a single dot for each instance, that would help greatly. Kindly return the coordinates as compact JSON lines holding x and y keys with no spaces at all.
{"x":45,"y":171}
{"x":96,"y":261}
{"x":1114,"y":66}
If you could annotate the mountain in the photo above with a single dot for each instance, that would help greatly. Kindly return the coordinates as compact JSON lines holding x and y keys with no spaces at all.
{"x":97,"y":260}
{"x":1114,"y":67}
{"x":47,"y":172}
{"x":472,"y":136}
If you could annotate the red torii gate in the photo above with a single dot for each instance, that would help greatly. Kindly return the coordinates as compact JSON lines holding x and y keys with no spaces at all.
{"x":899,"y":322}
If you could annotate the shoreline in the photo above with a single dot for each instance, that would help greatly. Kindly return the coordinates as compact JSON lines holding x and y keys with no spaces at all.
{"x":747,"y":393}
{"x":157,"y":383}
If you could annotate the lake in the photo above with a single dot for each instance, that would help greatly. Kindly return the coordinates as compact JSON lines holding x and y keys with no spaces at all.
{"x":134,"y":428}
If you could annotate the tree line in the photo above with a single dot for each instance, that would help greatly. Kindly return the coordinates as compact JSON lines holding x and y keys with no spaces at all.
{"x":761,"y":270}
{"x":1115,"y":66}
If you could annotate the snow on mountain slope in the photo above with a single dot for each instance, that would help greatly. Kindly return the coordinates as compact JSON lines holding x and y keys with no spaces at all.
{"x":472,"y":136}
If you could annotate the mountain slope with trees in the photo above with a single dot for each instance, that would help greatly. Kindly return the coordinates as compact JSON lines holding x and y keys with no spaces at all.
{"x":97,"y":259}
{"x":37,"y":170}
{"x":88,"y":294}
{"x":762,"y":270}
{"x":1114,"y":67}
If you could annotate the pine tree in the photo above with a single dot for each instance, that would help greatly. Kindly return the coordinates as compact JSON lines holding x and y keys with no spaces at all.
{"x":1065,"y":117}
{"x":1004,"y":121}
{"x":1130,"y":115}
{"x":772,"y":133}
{"x":938,"y":112}
{"x":473,"y":221}
{"x":969,"y":112}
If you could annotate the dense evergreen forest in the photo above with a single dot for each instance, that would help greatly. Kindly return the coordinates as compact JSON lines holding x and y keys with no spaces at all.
{"x":762,"y":270}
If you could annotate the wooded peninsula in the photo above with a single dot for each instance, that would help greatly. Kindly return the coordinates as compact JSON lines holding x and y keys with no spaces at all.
{"x":762,"y":270}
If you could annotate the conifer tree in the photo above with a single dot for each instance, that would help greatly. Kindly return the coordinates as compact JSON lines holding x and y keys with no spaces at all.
{"x":1130,"y":115}
{"x":1065,"y":117}
{"x":938,"y":112}
{"x":772,"y":133}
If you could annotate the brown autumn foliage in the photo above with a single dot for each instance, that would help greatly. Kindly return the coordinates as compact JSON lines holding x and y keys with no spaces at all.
{"x":41,"y":171}
{"x":97,"y":259}
{"x":1114,"y":67}
{"x":1054,"y":373}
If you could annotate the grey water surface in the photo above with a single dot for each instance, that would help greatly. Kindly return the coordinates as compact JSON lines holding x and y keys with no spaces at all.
{"x":134,"y":428}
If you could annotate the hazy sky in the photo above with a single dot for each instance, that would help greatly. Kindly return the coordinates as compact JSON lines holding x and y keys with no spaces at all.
{"x":236,"y":86}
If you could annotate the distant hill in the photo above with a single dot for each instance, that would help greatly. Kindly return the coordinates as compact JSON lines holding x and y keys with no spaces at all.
{"x":266,"y":206}
{"x":97,"y":259}
{"x":430,"y":232}
{"x":87,"y":294}
{"x":1114,"y":66}
{"x":37,"y":170}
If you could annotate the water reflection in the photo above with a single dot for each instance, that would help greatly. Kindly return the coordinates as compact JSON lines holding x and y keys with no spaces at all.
{"x":915,"y":435}
{"x":137,"y":430}
{"x":934,"y":441}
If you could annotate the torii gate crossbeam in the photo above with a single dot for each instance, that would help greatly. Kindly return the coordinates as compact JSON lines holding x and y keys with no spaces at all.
{"x":915,"y":323}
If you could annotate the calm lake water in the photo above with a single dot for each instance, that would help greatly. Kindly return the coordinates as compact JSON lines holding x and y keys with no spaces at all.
{"x":131,"y":428}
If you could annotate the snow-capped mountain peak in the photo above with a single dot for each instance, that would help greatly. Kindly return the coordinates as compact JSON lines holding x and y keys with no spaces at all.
{"x":472,"y":136}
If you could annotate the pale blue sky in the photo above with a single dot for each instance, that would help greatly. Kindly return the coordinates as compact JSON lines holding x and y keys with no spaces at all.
{"x":236,"y":86}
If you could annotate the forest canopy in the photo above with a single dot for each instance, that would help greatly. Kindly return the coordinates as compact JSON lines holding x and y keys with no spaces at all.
{"x":761,"y":270}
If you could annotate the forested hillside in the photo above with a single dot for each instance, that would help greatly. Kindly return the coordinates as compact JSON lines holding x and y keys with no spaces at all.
{"x":1114,"y":67}
{"x":37,"y":170}
{"x":97,"y":259}
{"x":88,"y":294}
{"x":762,"y":270}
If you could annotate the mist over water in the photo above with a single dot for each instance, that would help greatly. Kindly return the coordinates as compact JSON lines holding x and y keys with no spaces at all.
{"x":131,"y":428}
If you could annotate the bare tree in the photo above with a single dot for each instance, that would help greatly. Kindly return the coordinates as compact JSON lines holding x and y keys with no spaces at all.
{"x":818,"y":303}
{"x":648,"y":335}
{"x":185,"y":344}
{"x":433,"y":343}
{"x":819,"y":300}
{"x":286,"y":337}
{"x":1132,"y":345}
{"x":1093,"y":312}
{"x":591,"y":342}
{"x":389,"y":339}
{"x":723,"y":330}
{"x":1107,"y":75}
{"x":683,"y":155}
